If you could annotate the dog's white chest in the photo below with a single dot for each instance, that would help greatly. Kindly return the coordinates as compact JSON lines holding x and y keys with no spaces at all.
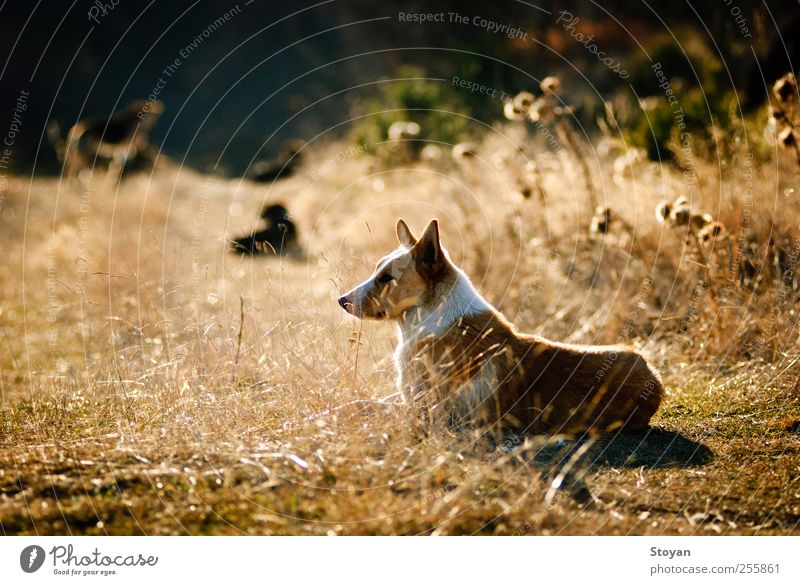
{"x":402,"y":359}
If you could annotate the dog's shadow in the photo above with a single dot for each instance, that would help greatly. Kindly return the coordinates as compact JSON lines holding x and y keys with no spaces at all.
{"x":566,"y":461}
{"x":655,"y":448}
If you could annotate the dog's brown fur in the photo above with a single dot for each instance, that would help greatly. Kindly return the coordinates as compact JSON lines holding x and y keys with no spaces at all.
{"x":122,"y":136}
{"x":478,"y":370}
{"x":539,"y":386}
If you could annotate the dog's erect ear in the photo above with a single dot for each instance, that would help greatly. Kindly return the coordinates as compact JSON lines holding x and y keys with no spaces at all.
{"x":428,"y":250}
{"x":404,"y":235}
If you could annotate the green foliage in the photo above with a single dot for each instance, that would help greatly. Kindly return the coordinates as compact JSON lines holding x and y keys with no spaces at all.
{"x":439,"y":108}
{"x":702,"y":100}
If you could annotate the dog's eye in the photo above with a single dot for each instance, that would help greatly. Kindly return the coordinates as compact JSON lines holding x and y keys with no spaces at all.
{"x":385,"y":278}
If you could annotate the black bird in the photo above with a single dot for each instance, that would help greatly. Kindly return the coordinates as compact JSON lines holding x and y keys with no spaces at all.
{"x":278,"y":237}
{"x":282,"y":166}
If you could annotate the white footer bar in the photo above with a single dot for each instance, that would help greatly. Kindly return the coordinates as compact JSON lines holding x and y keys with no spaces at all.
{"x":388,"y":560}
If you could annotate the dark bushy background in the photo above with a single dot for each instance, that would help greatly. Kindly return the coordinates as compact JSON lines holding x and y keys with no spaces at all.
{"x":220,"y":103}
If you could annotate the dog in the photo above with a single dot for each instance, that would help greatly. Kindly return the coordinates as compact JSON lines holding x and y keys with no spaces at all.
{"x":122,"y":139}
{"x":464,"y":363}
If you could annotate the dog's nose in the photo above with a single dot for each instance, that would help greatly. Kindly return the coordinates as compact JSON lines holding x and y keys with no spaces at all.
{"x":343,"y":301}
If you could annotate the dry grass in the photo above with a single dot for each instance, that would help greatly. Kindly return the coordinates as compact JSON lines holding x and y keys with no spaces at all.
{"x":128,"y":405}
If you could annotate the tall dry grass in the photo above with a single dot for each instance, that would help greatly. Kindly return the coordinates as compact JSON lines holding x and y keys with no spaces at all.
{"x":229,"y":394}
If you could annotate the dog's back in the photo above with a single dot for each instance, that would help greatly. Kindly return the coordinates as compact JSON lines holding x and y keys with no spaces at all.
{"x":479,"y":371}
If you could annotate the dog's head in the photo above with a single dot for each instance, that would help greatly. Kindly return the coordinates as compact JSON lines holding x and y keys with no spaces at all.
{"x":403,"y":279}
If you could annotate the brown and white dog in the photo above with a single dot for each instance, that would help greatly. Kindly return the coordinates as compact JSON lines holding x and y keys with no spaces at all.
{"x":464,"y":363}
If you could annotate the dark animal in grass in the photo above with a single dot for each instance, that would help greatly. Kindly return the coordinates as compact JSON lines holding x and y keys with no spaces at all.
{"x":280,"y":167}
{"x":118,"y":140}
{"x":278,"y":237}
{"x":601,"y":222}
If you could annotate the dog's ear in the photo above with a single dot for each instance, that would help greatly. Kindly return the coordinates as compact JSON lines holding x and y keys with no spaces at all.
{"x":428,"y":250}
{"x":404,"y":235}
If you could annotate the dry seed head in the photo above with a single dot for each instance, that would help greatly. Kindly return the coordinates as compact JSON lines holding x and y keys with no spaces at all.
{"x":598,"y":226}
{"x":681,"y":201}
{"x":601,"y":220}
{"x":550,"y":84}
{"x":603,"y":211}
{"x":777,"y":115}
{"x":711,"y":232}
{"x":700,"y":220}
{"x":542,"y":110}
{"x":464,"y":151}
{"x":607,"y":147}
{"x":786,"y":137}
{"x":518,"y":107}
{"x":431,"y":153}
{"x":513,"y":113}
{"x":663,"y":211}
{"x":523,"y":100}
{"x":680,"y":215}
{"x":785,"y":89}
{"x":403,"y":129}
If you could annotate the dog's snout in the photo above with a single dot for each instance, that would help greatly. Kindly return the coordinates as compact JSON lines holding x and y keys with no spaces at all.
{"x":349,"y":303}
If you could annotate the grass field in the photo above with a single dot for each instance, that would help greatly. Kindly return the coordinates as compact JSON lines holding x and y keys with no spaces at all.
{"x":154,"y":383}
